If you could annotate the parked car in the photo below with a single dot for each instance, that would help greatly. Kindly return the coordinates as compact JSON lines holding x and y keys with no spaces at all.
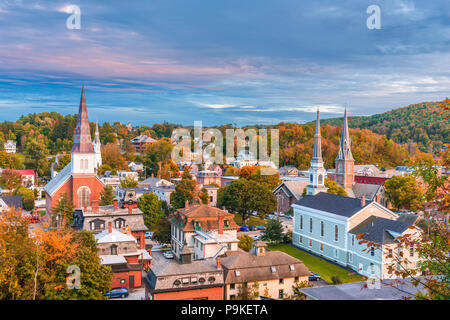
{"x":148,"y":235}
{"x":260,"y":227}
{"x":314,"y":276}
{"x":244,"y":228}
{"x":271,"y":216}
{"x":256,"y":237}
{"x":117,"y":293}
{"x":288,"y":216}
{"x":168,"y":254}
{"x":252,"y":228}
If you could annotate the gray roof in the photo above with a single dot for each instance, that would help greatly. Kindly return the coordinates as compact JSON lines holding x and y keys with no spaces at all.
{"x":294,"y":187}
{"x":390,"y":290}
{"x":367,"y":190}
{"x":13,"y":201}
{"x":332,"y":203}
{"x":375,"y":228}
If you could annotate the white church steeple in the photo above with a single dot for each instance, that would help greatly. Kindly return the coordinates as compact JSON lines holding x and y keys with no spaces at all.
{"x":316,"y":171}
{"x":97,"y":147}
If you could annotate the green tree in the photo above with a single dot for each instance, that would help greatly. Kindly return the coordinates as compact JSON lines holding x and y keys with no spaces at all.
{"x":128,"y":182}
{"x":151,"y":206}
{"x":273,"y":231}
{"x":403,"y":192}
{"x":334,"y":188}
{"x":62,"y":213}
{"x":244,"y":197}
{"x":27,"y":198}
{"x":245,"y":242}
{"x":36,"y":151}
{"x":107,"y":196}
{"x":162,"y":233}
{"x":63,"y":162}
{"x":297,"y":294}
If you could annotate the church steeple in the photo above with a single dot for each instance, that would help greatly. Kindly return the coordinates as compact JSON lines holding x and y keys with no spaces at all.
{"x":345,"y":152}
{"x":316,"y":170}
{"x":317,"y":154}
{"x":83,"y":154}
{"x":82,"y":140}
{"x":97,"y":147}
{"x":344,"y":160}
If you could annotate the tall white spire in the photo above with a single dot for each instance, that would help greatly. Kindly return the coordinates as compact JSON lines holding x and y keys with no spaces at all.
{"x":97,"y":147}
{"x":316,"y":171}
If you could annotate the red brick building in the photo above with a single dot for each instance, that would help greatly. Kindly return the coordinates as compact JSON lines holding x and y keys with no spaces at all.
{"x":78,"y":179}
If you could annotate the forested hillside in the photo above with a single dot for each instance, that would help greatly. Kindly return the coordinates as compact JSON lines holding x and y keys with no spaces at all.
{"x":421,"y":125}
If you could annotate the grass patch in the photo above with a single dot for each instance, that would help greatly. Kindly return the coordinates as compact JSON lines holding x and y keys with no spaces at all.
{"x":317,"y":265}
{"x":252,"y":221}
{"x":41,"y":212}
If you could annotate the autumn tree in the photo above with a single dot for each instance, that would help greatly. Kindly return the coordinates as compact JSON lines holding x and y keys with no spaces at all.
{"x":248,"y":292}
{"x":107,"y":196}
{"x":36,"y":152}
{"x":128,"y":182}
{"x":245,"y":242}
{"x":10,"y":180}
{"x":112,"y":156}
{"x":151,"y":206}
{"x":403,"y":192}
{"x":184,"y":190}
{"x":162,"y":233}
{"x":10,"y":160}
{"x":334,"y":188}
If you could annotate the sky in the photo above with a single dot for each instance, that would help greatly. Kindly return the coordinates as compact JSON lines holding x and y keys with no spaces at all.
{"x":221,"y":61}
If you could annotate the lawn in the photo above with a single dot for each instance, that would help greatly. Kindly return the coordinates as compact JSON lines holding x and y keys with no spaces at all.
{"x":317,"y":265}
{"x":252,"y":221}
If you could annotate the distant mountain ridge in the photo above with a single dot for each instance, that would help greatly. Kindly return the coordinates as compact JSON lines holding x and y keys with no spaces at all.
{"x":417,"y":125}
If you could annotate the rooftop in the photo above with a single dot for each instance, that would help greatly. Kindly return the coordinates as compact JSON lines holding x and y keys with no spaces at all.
{"x":327,"y":202}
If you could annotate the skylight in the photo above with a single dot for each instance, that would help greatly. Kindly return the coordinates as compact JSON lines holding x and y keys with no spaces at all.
{"x":292,"y":267}
{"x":273,"y":269}
{"x":237,"y":272}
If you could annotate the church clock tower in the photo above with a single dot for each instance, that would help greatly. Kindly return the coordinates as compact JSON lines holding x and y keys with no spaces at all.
{"x":345,"y":175}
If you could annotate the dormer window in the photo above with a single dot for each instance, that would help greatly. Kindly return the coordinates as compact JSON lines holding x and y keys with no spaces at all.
{"x":292,"y":267}
{"x":225,"y":223}
{"x":273,"y":269}
{"x":237,"y":273}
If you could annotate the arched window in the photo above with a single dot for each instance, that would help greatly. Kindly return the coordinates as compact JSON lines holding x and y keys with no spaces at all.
{"x":320,"y":179}
{"x":119,"y":223}
{"x":336,"y":233}
{"x":113,"y":249}
{"x":86,"y":164}
{"x":310,"y":178}
{"x":84,"y":195}
{"x":81,"y":164}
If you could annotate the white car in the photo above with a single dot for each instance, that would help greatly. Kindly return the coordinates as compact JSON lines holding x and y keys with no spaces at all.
{"x":168,"y":254}
{"x":256,"y":237}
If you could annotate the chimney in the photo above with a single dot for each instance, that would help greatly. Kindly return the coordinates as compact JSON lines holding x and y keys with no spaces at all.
{"x":363,"y":201}
{"x":209,"y":201}
{"x":110,"y":227}
{"x":85,"y":207}
{"x":219,"y":263}
{"x":115,"y":204}
{"x":186,"y":204}
{"x":95,"y":206}
{"x":153,"y":175}
{"x":130,"y":209}
{"x":220,"y":224}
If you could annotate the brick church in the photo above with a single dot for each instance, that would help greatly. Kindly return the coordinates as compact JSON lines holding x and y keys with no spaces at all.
{"x":79,"y":178}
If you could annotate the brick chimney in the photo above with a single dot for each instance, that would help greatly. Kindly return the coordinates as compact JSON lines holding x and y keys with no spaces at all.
{"x":219,"y":263}
{"x":115,"y":204}
{"x":186,"y":204}
{"x":110,"y":227}
{"x":209,"y":201}
{"x":363,"y":201}
{"x":130,"y":209}
{"x":153,"y":175}
{"x":85,"y":207}
{"x":220,"y":224}
{"x":95,"y":206}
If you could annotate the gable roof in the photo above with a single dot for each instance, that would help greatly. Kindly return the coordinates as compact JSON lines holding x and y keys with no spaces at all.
{"x":60,"y":178}
{"x":258,"y":268}
{"x":115,"y":236}
{"x":375,"y":228}
{"x":12,"y":201}
{"x":293,"y":187}
{"x":332,"y":203}
{"x":367,"y":190}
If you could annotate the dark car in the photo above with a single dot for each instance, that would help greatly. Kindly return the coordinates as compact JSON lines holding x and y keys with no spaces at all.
{"x":252,"y":228}
{"x":244,"y":228}
{"x":117,"y":293}
{"x":314,"y":277}
{"x":260,"y":227}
